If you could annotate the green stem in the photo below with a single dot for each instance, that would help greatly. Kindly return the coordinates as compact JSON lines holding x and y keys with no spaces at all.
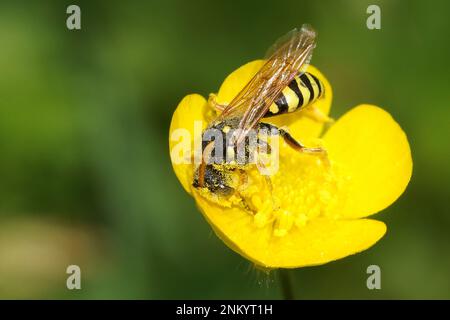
{"x":287,"y":290}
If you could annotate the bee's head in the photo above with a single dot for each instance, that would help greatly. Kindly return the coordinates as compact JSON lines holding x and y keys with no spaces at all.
{"x":217,"y":181}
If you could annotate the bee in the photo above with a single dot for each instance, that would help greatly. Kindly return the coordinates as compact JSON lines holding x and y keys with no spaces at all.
{"x":281,"y":86}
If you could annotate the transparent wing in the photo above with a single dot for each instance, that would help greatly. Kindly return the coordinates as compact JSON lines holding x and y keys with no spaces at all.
{"x":290,"y":56}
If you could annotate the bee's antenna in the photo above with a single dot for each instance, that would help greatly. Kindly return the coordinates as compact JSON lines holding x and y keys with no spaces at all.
{"x":205,"y":160}
{"x":201,"y":174}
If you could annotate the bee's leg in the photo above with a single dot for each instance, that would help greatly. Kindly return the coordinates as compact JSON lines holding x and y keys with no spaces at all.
{"x":212,"y":101}
{"x":268,"y":130}
{"x":264,"y":146}
{"x":243,"y":177}
{"x":201,"y":174}
{"x":317,"y":115}
{"x":294,"y":144}
{"x":243,"y":181}
{"x":290,"y":140}
{"x":267,"y":180}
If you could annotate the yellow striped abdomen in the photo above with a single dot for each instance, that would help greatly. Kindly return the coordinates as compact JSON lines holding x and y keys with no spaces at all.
{"x":303,"y":90}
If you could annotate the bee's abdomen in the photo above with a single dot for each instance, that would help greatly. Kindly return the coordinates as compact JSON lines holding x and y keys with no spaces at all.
{"x":302,"y":91}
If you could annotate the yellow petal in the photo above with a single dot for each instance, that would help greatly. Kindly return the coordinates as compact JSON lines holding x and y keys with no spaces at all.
{"x":192,"y":108}
{"x":299,"y":125}
{"x":374,"y":153}
{"x":320,"y":241}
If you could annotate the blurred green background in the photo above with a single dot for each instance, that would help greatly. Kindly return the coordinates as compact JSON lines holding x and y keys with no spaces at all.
{"x":85,"y":175}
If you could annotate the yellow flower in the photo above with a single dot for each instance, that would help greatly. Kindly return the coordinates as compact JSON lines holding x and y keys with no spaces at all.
{"x":316,"y":210}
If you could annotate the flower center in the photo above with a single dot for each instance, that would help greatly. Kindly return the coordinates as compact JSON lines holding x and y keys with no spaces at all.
{"x":306,"y":186}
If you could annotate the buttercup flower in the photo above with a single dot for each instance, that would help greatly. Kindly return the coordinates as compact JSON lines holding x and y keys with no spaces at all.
{"x":316,"y":209}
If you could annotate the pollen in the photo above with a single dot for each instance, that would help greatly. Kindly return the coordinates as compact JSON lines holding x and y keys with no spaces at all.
{"x":226,"y":129}
{"x":305,"y":187}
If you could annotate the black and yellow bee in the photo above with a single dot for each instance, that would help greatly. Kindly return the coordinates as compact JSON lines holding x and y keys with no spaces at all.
{"x":280,"y":86}
{"x":303,"y":90}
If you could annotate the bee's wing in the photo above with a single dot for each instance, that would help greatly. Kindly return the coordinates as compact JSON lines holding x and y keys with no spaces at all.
{"x":290,"y":56}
